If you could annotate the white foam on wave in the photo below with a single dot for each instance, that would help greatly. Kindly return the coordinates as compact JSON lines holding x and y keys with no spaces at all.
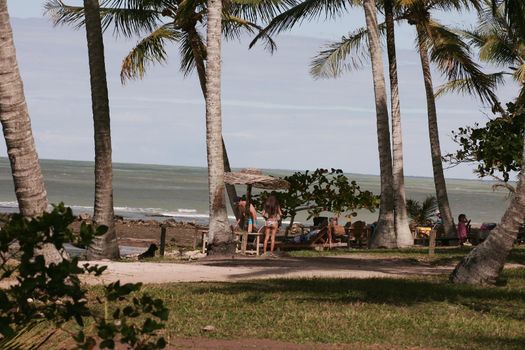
{"x":9,"y":204}
{"x":182,"y":210}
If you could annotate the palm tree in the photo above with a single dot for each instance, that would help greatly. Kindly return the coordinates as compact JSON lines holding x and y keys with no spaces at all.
{"x":403,"y":235}
{"x":310,"y":9}
{"x":447,"y":51}
{"x":221,"y":240}
{"x":28,"y":180}
{"x":172,"y":21}
{"x":501,"y":38}
{"x":421,"y":214}
{"x":327,"y":64}
{"x":104,"y":246}
{"x":445,"y":48}
{"x":384,"y":236}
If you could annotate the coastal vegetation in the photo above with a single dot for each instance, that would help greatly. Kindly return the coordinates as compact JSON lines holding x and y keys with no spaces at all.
{"x":405,"y":311}
{"x":415,"y":311}
{"x":43,"y":297}
{"x":484,"y":264}
{"x":321,"y":190}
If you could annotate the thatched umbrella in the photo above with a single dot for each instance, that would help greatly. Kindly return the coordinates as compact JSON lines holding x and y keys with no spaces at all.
{"x":254,"y":178}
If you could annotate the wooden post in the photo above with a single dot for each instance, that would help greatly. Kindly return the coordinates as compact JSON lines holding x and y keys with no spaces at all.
{"x":432,"y":242}
{"x":162,"y":239}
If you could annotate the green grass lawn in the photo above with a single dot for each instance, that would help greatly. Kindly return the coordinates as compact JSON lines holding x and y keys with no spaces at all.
{"x":425,"y":312}
{"x":443,"y":255}
{"x":419,"y":312}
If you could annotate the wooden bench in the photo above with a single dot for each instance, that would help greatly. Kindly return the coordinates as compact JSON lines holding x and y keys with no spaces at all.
{"x":241,"y":238}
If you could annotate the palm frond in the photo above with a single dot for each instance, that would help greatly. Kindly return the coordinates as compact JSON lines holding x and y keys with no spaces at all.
{"x":464,"y":86}
{"x":331,"y":62}
{"x":149,"y":50}
{"x":187,"y":53}
{"x":127,"y":21}
{"x":515,"y":14}
{"x":421,"y":213}
{"x":307,"y":10}
{"x":232,"y":28}
{"x":453,"y":5}
{"x":453,"y":58}
{"x":519,"y":74}
{"x":259,"y":10}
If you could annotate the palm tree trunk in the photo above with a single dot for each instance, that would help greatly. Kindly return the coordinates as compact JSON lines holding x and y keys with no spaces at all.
{"x":27,"y":176}
{"x":403,"y":235}
{"x":201,"y":72}
{"x":104,"y":246}
{"x":484,"y":263}
{"x":219,"y":237}
{"x":435,"y":149}
{"x":384,"y":236}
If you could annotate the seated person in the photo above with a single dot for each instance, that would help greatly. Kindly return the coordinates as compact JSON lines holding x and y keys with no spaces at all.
{"x":241,"y":208}
{"x":306,"y":237}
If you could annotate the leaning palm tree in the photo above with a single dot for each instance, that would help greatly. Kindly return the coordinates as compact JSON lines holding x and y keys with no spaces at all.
{"x":172,"y":22}
{"x":384,"y":236}
{"x":484,"y":264}
{"x":103,"y":246}
{"x":220,"y":239}
{"x":403,"y":234}
{"x":501,"y":39}
{"x":28,"y":180}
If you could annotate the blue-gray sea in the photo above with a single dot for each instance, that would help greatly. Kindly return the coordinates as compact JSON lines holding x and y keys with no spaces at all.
{"x":162,"y":191}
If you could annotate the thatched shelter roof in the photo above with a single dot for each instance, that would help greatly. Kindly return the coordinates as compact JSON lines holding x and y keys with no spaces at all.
{"x":255,"y":178}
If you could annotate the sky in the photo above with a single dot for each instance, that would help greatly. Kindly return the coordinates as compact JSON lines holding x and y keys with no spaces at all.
{"x":274,"y":114}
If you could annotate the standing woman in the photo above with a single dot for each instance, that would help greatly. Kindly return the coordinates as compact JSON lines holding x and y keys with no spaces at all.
{"x":272,"y":213}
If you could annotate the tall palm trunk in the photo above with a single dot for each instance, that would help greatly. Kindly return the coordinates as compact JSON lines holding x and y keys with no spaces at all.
{"x":104,"y":246}
{"x":201,"y":72}
{"x":435,"y":149}
{"x":384,"y":236}
{"x":28,"y":180}
{"x":403,"y":234}
{"x":220,"y":240}
{"x":484,"y":263}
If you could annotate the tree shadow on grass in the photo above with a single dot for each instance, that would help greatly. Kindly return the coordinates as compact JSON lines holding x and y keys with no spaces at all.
{"x":497,"y":342}
{"x":507,"y":301}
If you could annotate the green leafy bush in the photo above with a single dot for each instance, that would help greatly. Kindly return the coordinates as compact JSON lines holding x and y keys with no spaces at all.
{"x":321,"y":190}
{"x":54,"y":293}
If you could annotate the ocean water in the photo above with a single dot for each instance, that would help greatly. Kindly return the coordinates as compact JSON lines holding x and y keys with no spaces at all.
{"x":160,"y":191}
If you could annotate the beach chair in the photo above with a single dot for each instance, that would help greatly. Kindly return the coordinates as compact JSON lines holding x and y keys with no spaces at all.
{"x":321,"y":239}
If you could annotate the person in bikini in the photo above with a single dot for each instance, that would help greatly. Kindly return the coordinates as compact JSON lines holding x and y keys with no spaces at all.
{"x":252,"y":218}
{"x":272,"y":213}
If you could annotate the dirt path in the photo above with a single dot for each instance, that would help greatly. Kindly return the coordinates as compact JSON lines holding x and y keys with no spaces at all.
{"x":245,"y":268}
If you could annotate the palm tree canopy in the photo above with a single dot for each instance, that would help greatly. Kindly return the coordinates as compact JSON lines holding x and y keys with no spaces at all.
{"x":305,"y":10}
{"x":499,"y":43}
{"x":448,"y":50}
{"x":159,"y":22}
